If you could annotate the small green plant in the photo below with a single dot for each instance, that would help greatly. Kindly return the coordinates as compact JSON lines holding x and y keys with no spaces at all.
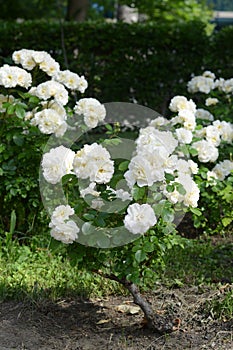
{"x":221,"y":306}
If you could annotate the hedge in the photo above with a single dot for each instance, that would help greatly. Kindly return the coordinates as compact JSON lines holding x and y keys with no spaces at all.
{"x":143,"y":63}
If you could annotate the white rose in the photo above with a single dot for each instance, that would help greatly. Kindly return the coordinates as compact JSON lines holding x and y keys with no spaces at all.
{"x":93,"y":161}
{"x":61,"y":214}
{"x":201,"y":84}
{"x":184,"y":135}
{"x":213,"y":135}
{"x":139,"y":218}
{"x":57,"y":163}
{"x":192,"y":194}
{"x":207,"y":152}
{"x":66,"y":232}
{"x":211,"y":101}
{"x":204,"y":114}
{"x":179,"y":103}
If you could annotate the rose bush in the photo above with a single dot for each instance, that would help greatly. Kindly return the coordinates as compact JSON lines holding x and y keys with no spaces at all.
{"x":214,"y":132}
{"x":116,"y":215}
{"x":27,"y":115}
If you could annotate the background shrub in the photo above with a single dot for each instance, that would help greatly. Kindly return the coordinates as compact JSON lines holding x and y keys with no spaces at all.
{"x":143,"y":63}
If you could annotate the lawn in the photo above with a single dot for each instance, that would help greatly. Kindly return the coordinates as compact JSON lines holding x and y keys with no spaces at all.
{"x":64,"y":308}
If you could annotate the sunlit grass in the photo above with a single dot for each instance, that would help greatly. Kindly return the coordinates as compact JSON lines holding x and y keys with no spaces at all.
{"x":29,"y":273}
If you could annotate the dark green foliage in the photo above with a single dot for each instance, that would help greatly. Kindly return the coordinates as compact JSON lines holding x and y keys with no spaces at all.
{"x":143,"y":63}
{"x":220,"y":56}
{"x":31,"y":9}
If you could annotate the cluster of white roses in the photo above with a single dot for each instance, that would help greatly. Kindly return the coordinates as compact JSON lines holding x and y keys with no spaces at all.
{"x":93,"y":162}
{"x":218,"y":131}
{"x":51,"y":113}
{"x":10,"y":77}
{"x":159,"y":152}
{"x":92,"y":111}
{"x":207,"y":82}
{"x":154,"y":157}
{"x":221,"y":170}
{"x":62,"y":228}
{"x":209,"y":137}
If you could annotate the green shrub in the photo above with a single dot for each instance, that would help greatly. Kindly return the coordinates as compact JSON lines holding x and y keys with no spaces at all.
{"x":142,"y":63}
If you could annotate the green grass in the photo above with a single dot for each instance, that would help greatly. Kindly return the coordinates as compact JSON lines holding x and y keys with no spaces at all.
{"x":202,"y":261}
{"x":30,"y":272}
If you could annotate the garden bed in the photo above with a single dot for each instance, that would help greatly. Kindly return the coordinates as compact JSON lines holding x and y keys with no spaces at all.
{"x":105,"y":324}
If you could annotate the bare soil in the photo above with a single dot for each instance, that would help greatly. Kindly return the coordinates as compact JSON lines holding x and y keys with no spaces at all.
{"x":103,"y":324}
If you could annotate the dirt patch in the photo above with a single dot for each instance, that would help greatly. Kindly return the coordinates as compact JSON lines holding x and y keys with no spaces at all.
{"x":99,"y":325}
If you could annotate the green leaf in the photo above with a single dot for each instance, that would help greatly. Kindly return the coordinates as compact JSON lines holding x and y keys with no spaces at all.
{"x":13,"y":222}
{"x":148,"y":247}
{"x":138,"y":192}
{"x":11,"y":109}
{"x":20,"y":111}
{"x":140,"y":255}
{"x":196,"y":211}
{"x":124,"y":165}
{"x":89,"y":217}
{"x":18,"y":140}
{"x":34,"y":99}
{"x":170,"y":188}
{"x":180,"y":188}
{"x":99,"y":221}
{"x":227,"y":221}
{"x":22,"y":94}
{"x":108,"y":127}
{"x":2,"y":148}
{"x":169,"y":177}
{"x":193,"y":152}
{"x":168,"y":214}
{"x":104,"y":241}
